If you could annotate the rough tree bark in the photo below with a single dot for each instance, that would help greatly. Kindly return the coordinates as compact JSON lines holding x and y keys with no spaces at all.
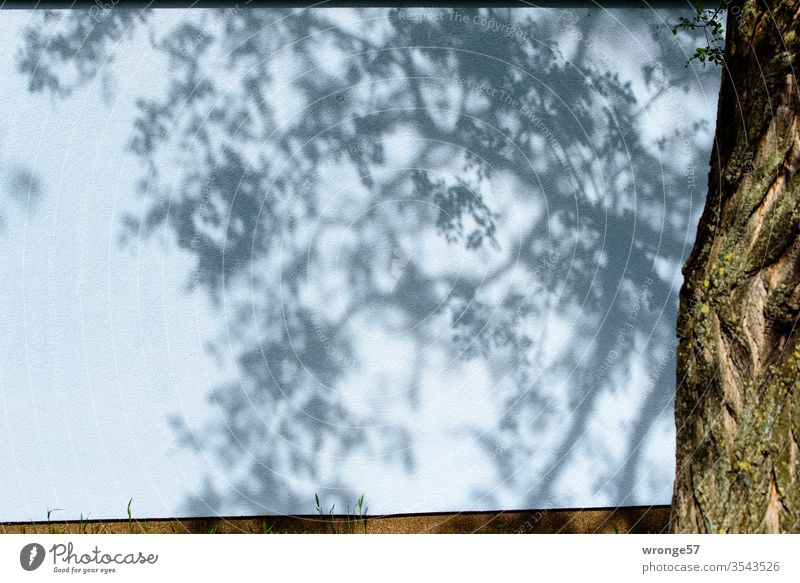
{"x":737,"y":406}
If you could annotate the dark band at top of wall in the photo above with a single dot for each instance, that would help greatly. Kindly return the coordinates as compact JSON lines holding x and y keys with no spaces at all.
{"x":109,"y":4}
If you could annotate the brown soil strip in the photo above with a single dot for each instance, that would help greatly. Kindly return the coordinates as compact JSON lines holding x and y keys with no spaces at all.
{"x":632,"y":519}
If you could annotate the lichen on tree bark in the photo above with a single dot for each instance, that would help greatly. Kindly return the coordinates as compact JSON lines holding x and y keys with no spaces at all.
{"x":737,"y":405}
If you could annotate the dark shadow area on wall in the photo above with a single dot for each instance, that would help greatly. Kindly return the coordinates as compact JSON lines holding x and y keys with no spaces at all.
{"x":20,"y":187}
{"x":417,"y":190}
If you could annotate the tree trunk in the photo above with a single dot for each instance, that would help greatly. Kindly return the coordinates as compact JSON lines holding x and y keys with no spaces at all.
{"x":737,"y":407}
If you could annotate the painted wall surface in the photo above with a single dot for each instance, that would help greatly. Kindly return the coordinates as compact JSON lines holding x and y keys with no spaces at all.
{"x":431,"y":256}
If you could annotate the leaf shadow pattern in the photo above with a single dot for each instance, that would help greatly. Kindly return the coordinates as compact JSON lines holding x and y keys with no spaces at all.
{"x":20,"y":188}
{"x":384,"y":203}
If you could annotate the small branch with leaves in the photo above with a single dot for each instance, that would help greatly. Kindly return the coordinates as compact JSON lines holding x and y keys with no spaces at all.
{"x":709,"y":20}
